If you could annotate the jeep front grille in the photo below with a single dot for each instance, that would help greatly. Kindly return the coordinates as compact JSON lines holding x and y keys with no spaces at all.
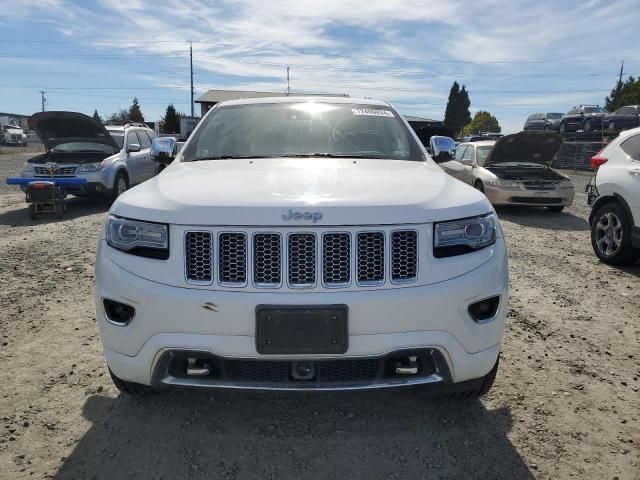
{"x":404,"y":255}
{"x":199,"y":259}
{"x":267,"y":259}
{"x":301,"y":260}
{"x":370,"y":258}
{"x":232,"y":248}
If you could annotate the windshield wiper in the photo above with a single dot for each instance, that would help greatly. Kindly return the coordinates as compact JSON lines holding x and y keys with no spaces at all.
{"x":229,"y":157}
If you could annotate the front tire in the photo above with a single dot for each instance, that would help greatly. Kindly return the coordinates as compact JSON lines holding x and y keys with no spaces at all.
{"x":587,"y":125}
{"x":612,"y":126}
{"x":120,"y":185}
{"x":611,"y":235}
{"x":562,"y":128}
{"x":130,"y":387}
{"x":478,"y":185}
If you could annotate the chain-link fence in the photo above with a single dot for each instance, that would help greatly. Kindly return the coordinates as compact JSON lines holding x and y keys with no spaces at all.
{"x":577,"y":155}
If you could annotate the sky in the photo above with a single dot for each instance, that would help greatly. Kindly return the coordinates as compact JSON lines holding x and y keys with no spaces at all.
{"x":515,"y":57}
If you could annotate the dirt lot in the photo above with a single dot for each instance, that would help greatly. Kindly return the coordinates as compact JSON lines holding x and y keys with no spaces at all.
{"x":565,"y":404}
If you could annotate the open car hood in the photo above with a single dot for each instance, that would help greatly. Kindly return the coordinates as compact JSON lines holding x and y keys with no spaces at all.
{"x":525,"y":147}
{"x":56,"y":128}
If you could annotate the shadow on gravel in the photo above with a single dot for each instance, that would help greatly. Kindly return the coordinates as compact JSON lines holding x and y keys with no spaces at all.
{"x":76,"y":207}
{"x":542,"y":218}
{"x":229,"y":435}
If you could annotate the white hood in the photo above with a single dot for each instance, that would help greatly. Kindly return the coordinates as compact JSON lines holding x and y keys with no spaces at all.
{"x":260,"y":192}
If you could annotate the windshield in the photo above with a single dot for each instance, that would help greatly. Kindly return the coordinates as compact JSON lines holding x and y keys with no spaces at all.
{"x":554,"y":115}
{"x":118,"y":137}
{"x":83,"y":147}
{"x":482,"y":153}
{"x":302,"y":129}
{"x":594,"y":110}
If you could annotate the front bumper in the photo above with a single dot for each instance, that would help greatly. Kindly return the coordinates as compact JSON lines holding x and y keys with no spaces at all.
{"x":432,"y":317}
{"x":526,"y":197}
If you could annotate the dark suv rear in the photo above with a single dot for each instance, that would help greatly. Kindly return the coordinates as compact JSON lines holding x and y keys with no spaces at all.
{"x":543,"y":121}
{"x":583,"y":117}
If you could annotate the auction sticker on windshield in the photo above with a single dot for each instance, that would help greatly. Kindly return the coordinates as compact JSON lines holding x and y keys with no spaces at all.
{"x":370,"y":112}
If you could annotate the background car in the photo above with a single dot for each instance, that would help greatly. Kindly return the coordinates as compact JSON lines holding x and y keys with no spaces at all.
{"x":623,"y":118}
{"x":583,"y":117}
{"x":515,"y":170}
{"x":543,"y":121}
{"x":614,"y":193}
{"x":111,"y":158}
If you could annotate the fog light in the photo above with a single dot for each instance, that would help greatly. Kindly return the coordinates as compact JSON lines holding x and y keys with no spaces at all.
{"x":118,"y":313}
{"x":484,"y":309}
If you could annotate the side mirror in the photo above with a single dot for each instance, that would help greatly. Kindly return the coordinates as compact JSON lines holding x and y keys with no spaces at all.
{"x":467,"y":161}
{"x":442,"y":149}
{"x":163,"y":149}
{"x":134,"y":147}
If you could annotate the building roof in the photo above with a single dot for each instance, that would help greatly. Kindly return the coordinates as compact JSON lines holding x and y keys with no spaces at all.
{"x":215,"y":96}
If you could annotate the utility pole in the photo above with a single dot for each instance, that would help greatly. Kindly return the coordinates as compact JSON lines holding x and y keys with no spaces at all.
{"x":42,"y":98}
{"x":288,"y":86}
{"x":621,"y":72}
{"x":191,"y":68}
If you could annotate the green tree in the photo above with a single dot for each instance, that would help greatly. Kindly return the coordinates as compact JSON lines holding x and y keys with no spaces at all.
{"x":457,"y":113}
{"x":170,"y":123}
{"x":119,"y":117}
{"x":624,"y":93}
{"x":96,"y":116}
{"x":482,"y":122}
{"x":135,"y":114}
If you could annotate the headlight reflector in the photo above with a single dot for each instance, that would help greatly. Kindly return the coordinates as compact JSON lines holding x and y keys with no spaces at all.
{"x":138,"y":238}
{"x":90,"y":167}
{"x":463,"y":236}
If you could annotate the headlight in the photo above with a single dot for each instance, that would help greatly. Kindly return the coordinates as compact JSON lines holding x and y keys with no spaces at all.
{"x":90,"y":167}
{"x":498,"y":182}
{"x":138,"y":238}
{"x":464,"y":236}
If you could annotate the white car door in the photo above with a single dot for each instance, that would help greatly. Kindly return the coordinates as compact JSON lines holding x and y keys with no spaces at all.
{"x":630,"y":183}
{"x":468,"y":162}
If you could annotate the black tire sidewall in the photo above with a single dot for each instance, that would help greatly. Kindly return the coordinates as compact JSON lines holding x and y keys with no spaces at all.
{"x":114,"y":190}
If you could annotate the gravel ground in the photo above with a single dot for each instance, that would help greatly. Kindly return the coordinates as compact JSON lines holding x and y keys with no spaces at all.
{"x":565,"y":403}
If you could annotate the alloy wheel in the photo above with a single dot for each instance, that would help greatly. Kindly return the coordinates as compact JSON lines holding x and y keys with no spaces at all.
{"x":121,"y":187}
{"x":608,"y":234}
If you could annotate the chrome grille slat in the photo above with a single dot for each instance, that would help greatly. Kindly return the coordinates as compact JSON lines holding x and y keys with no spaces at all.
{"x":199,"y":267}
{"x":336,"y":257}
{"x":301,"y":250}
{"x":370,"y":261}
{"x":58,"y":172}
{"x":404,"y":256}
{"x":317,"y":259}
{"x":267,"y":259}
{"x":232,"y":252}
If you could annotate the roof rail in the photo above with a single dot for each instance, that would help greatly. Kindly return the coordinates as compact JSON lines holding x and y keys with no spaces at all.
{"x":127,"y":124}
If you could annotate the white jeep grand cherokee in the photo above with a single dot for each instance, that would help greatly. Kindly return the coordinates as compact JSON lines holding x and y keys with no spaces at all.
{"x":302,"y":243}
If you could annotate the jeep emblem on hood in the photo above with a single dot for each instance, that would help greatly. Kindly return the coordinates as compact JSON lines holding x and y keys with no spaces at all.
{"x":293,"y":215}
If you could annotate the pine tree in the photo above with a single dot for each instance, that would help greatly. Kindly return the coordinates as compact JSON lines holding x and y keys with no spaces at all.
{"x":135,"y":114}
{"x":457,"y":113}
{"x":170,"y":123}
{"x":624,"y":93}
{"x":97,"y":117}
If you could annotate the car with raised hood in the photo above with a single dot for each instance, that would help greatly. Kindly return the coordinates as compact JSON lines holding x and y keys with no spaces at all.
{"x":514,"y":170}
{"x":587,"y":118}
{"x":111,"y":158}
{"x":614,"y":194}
{"x":302,"y":243}
{"x":623,"y":119}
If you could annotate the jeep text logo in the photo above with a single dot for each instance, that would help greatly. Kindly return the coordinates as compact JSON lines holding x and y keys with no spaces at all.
{"x":293,"y":215}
